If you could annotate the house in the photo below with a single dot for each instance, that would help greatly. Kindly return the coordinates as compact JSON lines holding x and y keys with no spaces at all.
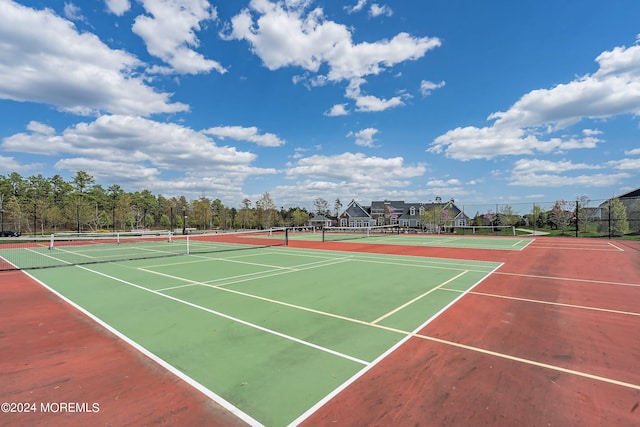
{"x":355,"y":215}
{"x":399,"y":212}
{"x":627,"y":199}
{"x":320,"y":221}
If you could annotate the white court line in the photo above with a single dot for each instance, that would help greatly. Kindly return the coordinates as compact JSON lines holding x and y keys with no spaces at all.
{"x":617,"y":247}
{"x":242,"y":278}
{"x":384,"y":355}
{"x":531,"y":362}
{"x":567,"y":279}
{"x":574,"y":248}
{"x":184,"y":377}
{"x":406,"y":260}
{"x":226,"y":316}
{"x":406,"y":304}
{"x":559,"y":304}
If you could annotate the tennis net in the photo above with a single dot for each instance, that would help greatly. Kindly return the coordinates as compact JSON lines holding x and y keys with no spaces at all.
{"x":500,"y":230}
{"x":331,"y":234}
{"x":63,"y":249}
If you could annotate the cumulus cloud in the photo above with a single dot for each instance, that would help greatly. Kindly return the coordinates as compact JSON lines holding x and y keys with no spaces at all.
{"x":169,"y":34}
{"x":286,"y":35}
{"x":73,"y":12}
{"x":337,"y":110}
{"x":364,"y":137}
{"x":544,"y":173}
{"x":118,"y":7}
{"x":614,"y":89}
{"x":9,"y":165}
{"x":356,"y":7}
{"x":426,"y":87}
{"x":376,"y":10}
{"x":136,"y":149}
{"x":249,"y":134}
{"x":370,"y":103}
{"x":43,"y":58}
{"x":356,"y":168}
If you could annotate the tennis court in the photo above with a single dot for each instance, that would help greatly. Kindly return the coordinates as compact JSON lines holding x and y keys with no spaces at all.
{"x":269,"y":332}
{"x":346,"y":333}
{"x":385,"y":235}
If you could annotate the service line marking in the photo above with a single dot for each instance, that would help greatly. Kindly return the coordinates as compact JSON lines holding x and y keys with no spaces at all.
{"x":395,"y":310}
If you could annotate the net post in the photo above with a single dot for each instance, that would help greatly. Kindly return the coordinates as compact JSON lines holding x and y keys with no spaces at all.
{"x":51,"y":241}
{"x":187,"y":244}
{"x":513,"y":229}
{"x":323,"y":235}
{"x":286,"y":236}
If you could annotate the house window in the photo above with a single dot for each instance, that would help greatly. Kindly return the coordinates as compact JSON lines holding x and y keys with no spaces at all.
{"x":421,"y":210}
{"x":412,"y":210}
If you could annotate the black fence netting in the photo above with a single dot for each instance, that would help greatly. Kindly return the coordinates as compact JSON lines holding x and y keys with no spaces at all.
{"x":610,"y":218}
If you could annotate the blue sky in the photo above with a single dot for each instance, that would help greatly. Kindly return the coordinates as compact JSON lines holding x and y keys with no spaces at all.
{"x":485,"y":102}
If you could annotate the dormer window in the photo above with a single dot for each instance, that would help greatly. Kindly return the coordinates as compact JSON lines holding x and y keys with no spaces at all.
{"x":412,"y":210}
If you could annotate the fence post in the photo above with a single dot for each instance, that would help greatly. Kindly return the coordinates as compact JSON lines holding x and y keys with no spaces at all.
{"x":577,"y":217}
{"x":609,"y":219}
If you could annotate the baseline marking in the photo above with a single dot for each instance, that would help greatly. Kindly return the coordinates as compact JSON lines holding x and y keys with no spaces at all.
{"x":193,"y":383}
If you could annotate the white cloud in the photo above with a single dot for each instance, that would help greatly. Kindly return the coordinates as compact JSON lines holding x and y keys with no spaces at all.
{"x":44,"y":59}
{"x":250,"y":134}
{"x":550,"y":180}
{"x":426,"y":87}
{"x":357,"y":7}
{"x":634,"y":152}
{"x":614,"y":89}
{"x":118,"y":7}
{"x":356,"y":168}
{"x":443,"y":183}
{"x":337,"y":110}
{"x":364,"y":137}
{"x":284,"y":36}
{"x":376,"y":10}
{"x":370,"y":103}
{"x":117,"y":147}
{"x":544,"y":173}
{"x":347,"y":176}
{"x":170,"y":34}
{"x":38,"y":127}
{"x":535,"y":166}
{"x":9,"y":165}
{"x":625,"y":164}
{"x":73,"y":13}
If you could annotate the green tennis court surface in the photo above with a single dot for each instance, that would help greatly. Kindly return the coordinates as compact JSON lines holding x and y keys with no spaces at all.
{"x":445,"y":240}
{"x":269,"y":331}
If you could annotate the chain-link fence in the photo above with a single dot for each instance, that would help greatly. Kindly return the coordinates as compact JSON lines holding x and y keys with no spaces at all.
{"x":612,"y":218}
{"x":43,"y":218}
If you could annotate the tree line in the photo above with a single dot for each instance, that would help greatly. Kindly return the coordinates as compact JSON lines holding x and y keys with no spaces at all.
{"x":37,"y":204}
